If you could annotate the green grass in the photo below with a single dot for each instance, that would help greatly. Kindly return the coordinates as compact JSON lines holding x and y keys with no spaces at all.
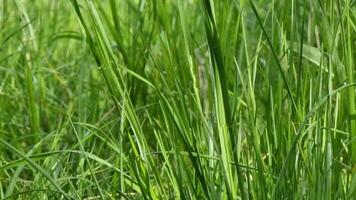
{"x":195,"y":99}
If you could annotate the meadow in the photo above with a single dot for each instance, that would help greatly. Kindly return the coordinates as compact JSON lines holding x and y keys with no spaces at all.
{"x":178,"y":99}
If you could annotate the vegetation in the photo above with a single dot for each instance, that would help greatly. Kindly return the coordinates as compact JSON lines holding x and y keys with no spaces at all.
{"x":186,"y":99}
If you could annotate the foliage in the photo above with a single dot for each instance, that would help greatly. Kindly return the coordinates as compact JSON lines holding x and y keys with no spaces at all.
{"x":194,"y":99}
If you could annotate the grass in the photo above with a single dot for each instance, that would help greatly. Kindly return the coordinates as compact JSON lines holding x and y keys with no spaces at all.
{"x":196,"y":99}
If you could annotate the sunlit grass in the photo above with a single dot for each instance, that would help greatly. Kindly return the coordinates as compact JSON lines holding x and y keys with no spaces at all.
{"x":196,"y":99}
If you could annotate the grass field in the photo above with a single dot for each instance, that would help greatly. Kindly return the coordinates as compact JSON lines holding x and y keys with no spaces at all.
{"x":177,"y":99}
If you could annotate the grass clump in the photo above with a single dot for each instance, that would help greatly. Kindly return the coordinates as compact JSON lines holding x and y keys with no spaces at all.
{"x":198,"y":99}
